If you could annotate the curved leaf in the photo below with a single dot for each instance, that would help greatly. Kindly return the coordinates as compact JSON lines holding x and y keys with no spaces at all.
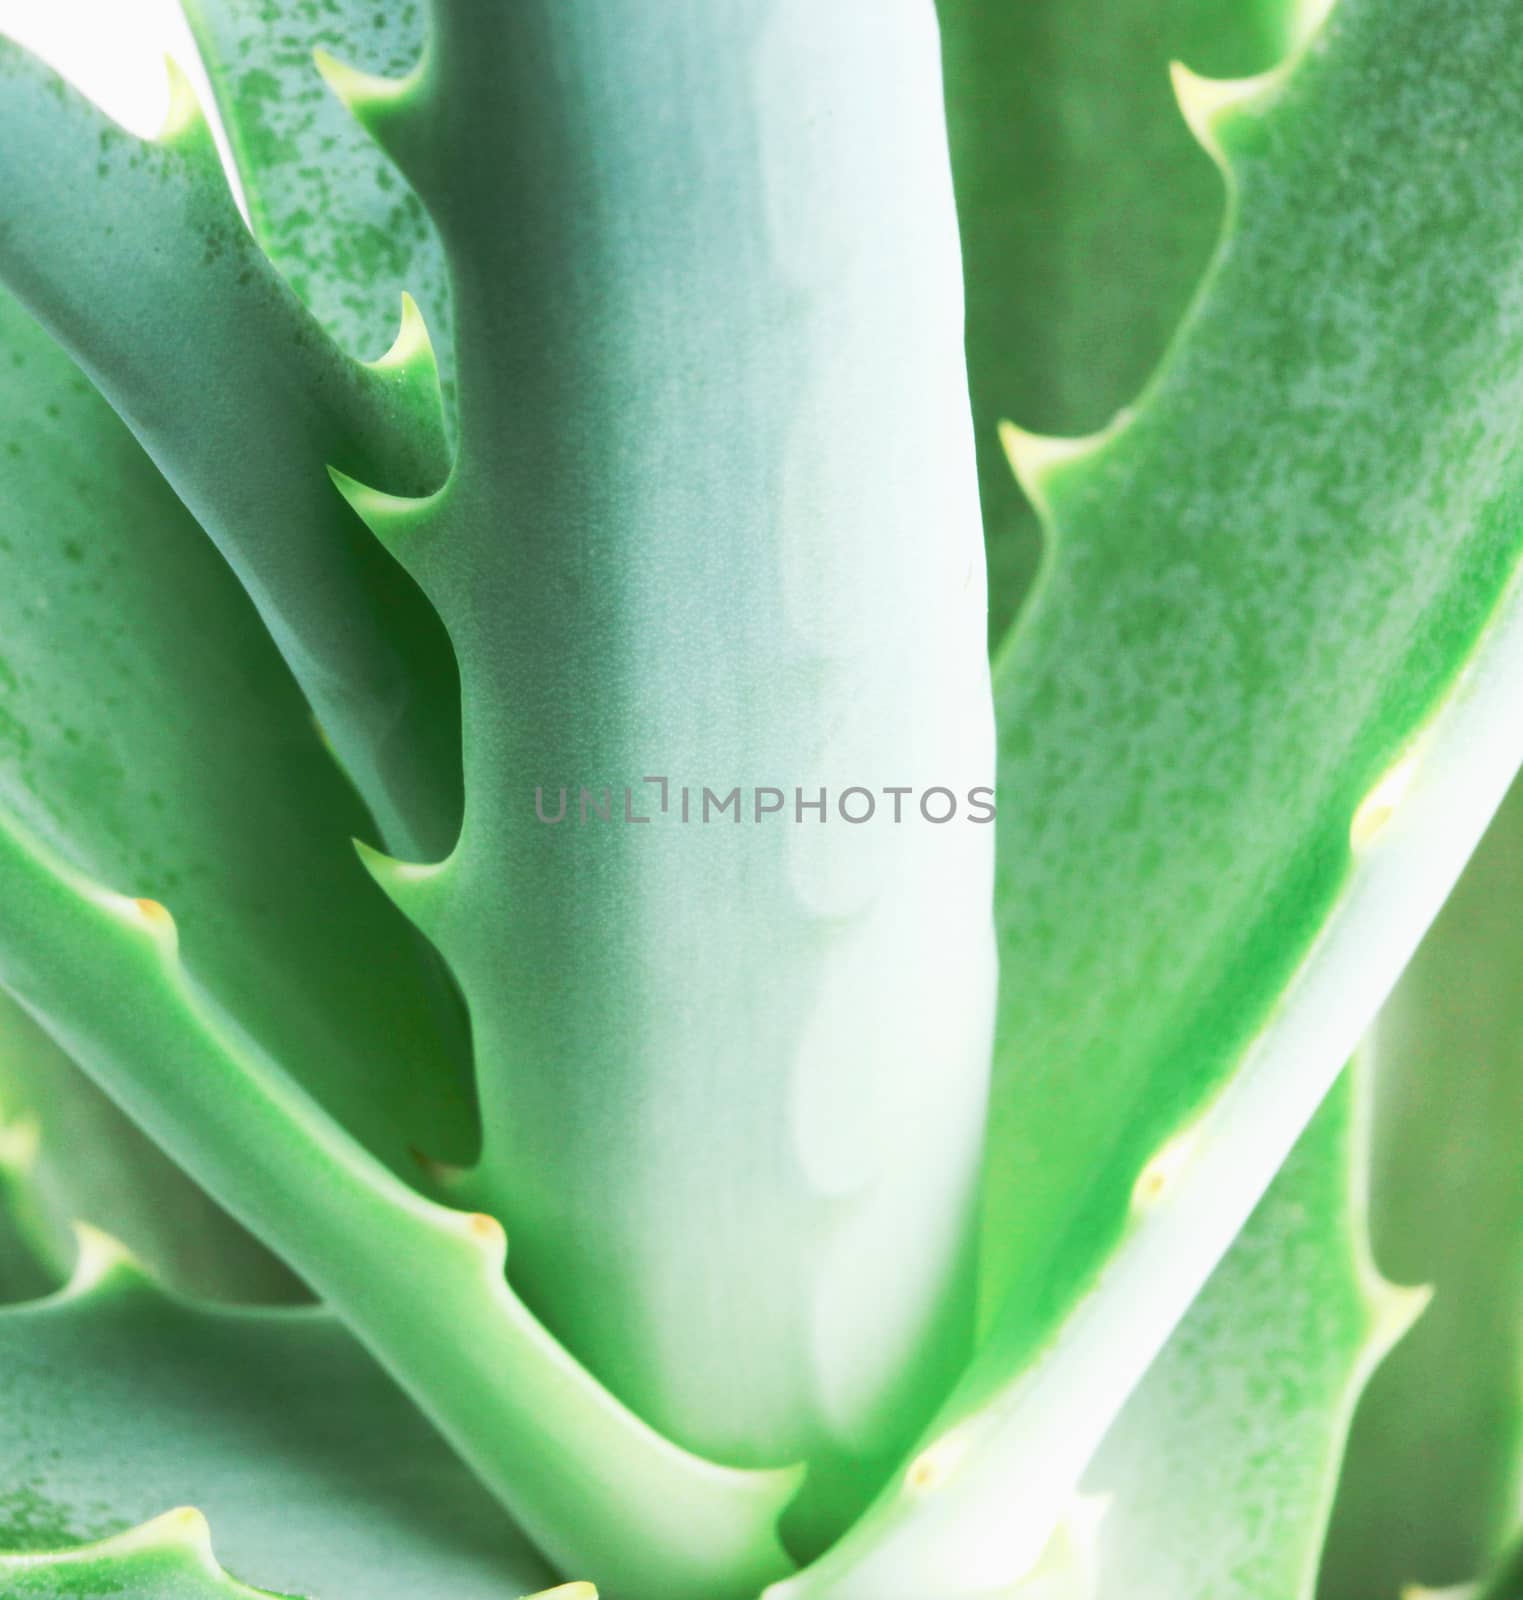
{"x":1433,"y":1491}
{"x":133,"y":255}
{"x":1218,"y":1475}
{"x":1087,"y":215}
{"x":594,"y":1486}
{"x":712,"y":519}
{"x":74,"y":1157}
{"x":317,"y":1475}
{"x":329,"y":209}
{"x":1251,"y":725}
{"x":150,"y":732}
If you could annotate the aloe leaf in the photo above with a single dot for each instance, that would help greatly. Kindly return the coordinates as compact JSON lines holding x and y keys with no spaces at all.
{"x":1251,"y":725}
{"x":170,"y":1558}
{"x":1218,"y":1476}
{"x":149,"y":730}
{"x":594,"y":1487}
{"x":329,"y":210}
{"x":1433,"y":1491}
{"x":712,"y":520}
{"x":317,"y":1475}
{"x":26,"y":1270}
{"x":1087,"y":214}
{"x":68,"y":1155}
{"x":133,"y":255}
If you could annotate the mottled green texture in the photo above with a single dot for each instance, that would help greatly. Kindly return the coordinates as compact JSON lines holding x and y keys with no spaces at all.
{"x":133,"y":256}
{"x":149,"y":732}
{"x":1218,"y":1476}
{"x":587,"y":1480}
{"x":1261,"y":587}
{"x":713,"y":519}
{"x":328,"y":208}
{"x":1259,"y":590}
{"x":119,"y":1402}
{"x":169,"y":1560}
{"x":1434,"y":1487}
{"x":1087,"y":215}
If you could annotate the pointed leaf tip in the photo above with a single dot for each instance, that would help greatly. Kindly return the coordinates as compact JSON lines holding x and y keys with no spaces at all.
{"x":372,"y":100}
{"x":412,"y":346}
{"x":188,"y":1528}
{"x":355,"y":87}
{"x":1394,"y":1308}
{"x":1209,"y":105}
{"x":1036,"y":458}
{"x":390,"y":517}
{"x":182,"y":118}
{"x":145,"y":915}
{"x":405,"y":883}
{"x":99,"y":1256}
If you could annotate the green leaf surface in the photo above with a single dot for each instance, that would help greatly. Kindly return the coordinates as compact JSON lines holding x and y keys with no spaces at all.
{"x":422,"y":1286}
{"x":713,"y":519}
{"x":150,"y":733}
{"x":1250,"y":727}
{"x":319,"y":1478}
{"x":328,"y":208}
{"x":1218,"y":1476}
{"x":26,"y":1270}
{"x":1433,"y":1493}
{"x":68,"y":1155}
{"x":170,"y":1558}
{"x":1087,"y":214}
{"x":133,"y":255}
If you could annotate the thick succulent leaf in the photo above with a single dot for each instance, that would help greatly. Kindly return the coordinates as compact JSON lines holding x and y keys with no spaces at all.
{"x":26,"y":1267}
{"x":1250,"y":728}
{"x":150,"y":732}
{"x":68,"y":1155}
{"x":329,"y":209}
{"x":1218,"y":1476}
{"x":1433,"y":1492}
{"x":317,"y":1475}
{"x":713,"y":519}
{"x":423,"y":1286}
{"x":170,"y":1558}
{"x":1087,"y":214}
{"x":133,"y":255}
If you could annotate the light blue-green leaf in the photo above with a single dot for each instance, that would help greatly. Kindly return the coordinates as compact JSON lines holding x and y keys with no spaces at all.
{"x":149,"y":730}
{"x":120,"y":1402}
{"x":329,"y":209}
{"x":132,"y":255}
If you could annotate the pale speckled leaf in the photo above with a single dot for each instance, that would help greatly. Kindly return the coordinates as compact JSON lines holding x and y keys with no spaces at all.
{"x":331,"y":211}
{"x":1087,"y":214}
{"x":150,"y":732}
{"x":131,"y":253}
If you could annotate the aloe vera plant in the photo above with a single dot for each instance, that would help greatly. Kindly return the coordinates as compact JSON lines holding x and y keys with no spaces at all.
{"x":584,"y":1006}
